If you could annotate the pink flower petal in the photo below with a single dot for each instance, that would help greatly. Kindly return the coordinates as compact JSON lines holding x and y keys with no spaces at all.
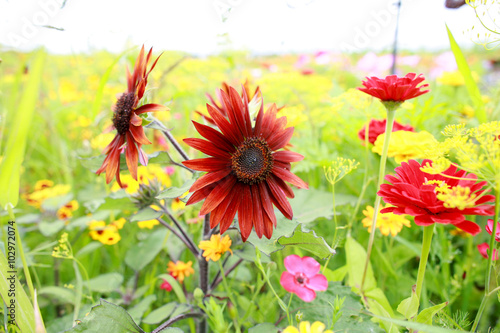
{"x":310,"y":267}
{"x":318,"y":282}
{"x":293,"y":264}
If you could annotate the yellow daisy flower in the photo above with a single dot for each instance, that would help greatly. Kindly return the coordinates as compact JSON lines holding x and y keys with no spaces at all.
{"x":215,"y":247}
{"x":44,"y":183}
{"x":149,"y":224}
{"x":387,"y":222}
{"x":180,"y":270}
{"x":306,"y":327}
{"x":64,"y":213}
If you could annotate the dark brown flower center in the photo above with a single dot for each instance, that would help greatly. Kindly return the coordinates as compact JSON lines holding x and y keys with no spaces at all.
{"x":122,"y":112}
{"x":252,"y":162}
{"x":300,"y":278}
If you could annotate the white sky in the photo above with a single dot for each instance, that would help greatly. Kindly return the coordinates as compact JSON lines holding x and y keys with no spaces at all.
{"x":260,"y":26}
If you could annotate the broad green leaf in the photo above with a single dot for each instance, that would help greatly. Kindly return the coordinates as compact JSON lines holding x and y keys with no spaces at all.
{"x":28,"y":218}
{"x":25,"y":314}
{"x":94,"y":163}
{"x":137,"y":312}
{"x":160,"y":157}
{"x":336,"y":275}
{"x":145,"y":214}
{"x":50,"y":228}
{"x":89,"y":248}
{"x":161,"y":314}
{"x":425,"y":316}
{"x":309,"y":205}
{"x":470,"y":84}
{"x":64,"y":295}
{"x":176,"y":287}
{"x":308,"y":241}
{"x":109,"y":203}
{"x":353,"y":319}
{"x":142,"y":253}
{"x":355,"y":261}
{"x":265,"y":327}
{"x":106,"y":317}
{"x":378,"y":295}
{"x":55,"y":203}
{"x":175,"y":192}
{"x":267,"y":246}
{"x":409,"y":306}
{"x":378,"y":309}
{"x":106,"y":283}
{"x":19,"y":127}
{"x":417,"y":326}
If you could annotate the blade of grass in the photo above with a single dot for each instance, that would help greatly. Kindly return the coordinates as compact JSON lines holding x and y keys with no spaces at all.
{"x":470,"y":84}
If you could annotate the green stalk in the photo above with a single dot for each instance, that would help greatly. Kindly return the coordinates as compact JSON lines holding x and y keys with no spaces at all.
{"x":426,"y":247}
{"x":23,"y":257}
{"x":391,"y":112}
{"x":230,"y":295}
{"x":490,"y":261}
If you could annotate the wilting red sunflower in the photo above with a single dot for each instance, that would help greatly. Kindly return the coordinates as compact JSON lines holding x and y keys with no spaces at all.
{"x":442,"y":198}
{"x":129,"y":132}
{"x":394,"y":88}
{"x":377,"y":127}
{"x":246,"y":172}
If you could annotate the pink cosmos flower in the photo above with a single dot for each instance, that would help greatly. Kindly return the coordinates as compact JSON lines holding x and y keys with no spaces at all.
{"x":489,"y":229}
{"x":302,"y":277}
{"x":483,"y":248}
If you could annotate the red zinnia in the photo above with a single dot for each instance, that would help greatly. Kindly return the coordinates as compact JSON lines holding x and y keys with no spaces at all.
{"x":415,"y":193}
{"x":394,"y":88}
{"x":130,"y":134}
{"x":377,"y":127}
{"x":246,"y":173}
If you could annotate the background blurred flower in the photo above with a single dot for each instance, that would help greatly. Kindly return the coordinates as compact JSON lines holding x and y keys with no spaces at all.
{"x":377,"y":127}
{"x":302,"y":277}
{"x":405,"y":145}
{"x":386,"y":222}
{"x":180,"y":270}
{"x":489,"y":229}
{"x":484,"y":248}
{"x":306,"y":327}
{"x":414,"y":192}
{"x":148,"y":224}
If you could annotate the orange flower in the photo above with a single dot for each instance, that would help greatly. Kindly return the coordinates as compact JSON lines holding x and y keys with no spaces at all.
{"x":180,"y":269}
{"x":130,"y":133}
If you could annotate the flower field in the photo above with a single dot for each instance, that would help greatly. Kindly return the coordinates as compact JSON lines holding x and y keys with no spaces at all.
{"x":162,"y":192}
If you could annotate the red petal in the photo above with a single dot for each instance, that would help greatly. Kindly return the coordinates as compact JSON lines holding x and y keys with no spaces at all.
{"x":280,"y":140}
{"x":131,"y":156}
{"x":138,"y":134}
{"x":258,"y":219}
{"x":280,"y":201}
{"x":208,"y":179}
{"x":218,"y":194}
{"x":151,"y":108}
{"x":214,"y":136}
{"x":266,"y":202}
{"x":207,"y":147}
{"x":284,"y":186}
{"x":207,"y":164}
{"x":200,"y":195}
{"x":135,"y":120}
{"x":245,"y":212}
{"x":289,"y":177}
{"x":287,"y":156}
{"x":224,"y":125}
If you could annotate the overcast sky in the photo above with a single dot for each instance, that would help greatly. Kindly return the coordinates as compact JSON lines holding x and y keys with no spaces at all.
{"x":205,"y":26}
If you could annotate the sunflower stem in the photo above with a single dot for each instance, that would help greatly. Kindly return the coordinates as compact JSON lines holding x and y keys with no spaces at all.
{"x":218,"y":279}
{"x":175,"y":319}
{"x":173,"y":141}
{"x":203,"y":266}
{"x":169,"y":227}
{"x":391,"y":112}
{"x":426,"y":247}
{"x":192,"y":246}
{"x":490,"y":261}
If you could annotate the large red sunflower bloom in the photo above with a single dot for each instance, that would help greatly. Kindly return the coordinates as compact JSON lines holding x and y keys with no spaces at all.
{"x":246,"y":172}
{"x":394,"y":88}
{"x":417,"y":193}
{"x":129,"y":132}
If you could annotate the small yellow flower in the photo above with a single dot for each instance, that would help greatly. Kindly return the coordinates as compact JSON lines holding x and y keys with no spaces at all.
{"x":306,"y":327}
{"x":129,"y":184}
{"x":149,"y":224}
{"x":72,"y":205}
{"x":110,"y":236}
{"x":387,"y":222}
{"x":405,"y":145}
{"x":44,"y":183}
{"x":119,"y":223}
{"x":180,"y":270}
{"x":177,"y":204}
{"x":64,"y":213}
{"x":96,"y":229}
{"x":106,"y":234}
{"x":215,"y":247}
{"x":101,"y":141}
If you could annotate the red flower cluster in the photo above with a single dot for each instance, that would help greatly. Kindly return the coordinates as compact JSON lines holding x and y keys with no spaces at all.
{"x":246,"y":173}
{"x":414,"y":192}
{"x":129,"y":131}
{"x":394,"y":88}
{"x":377,"y":127}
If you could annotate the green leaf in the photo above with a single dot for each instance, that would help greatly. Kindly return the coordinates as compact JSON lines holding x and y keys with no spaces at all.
{"x":376,"y":308}
{"x":106,"y":317}
{"x":470,"y":84}
{"x":267,"y":246}
{"x":308,"y":241}
{"x":355,"y":261}
{"x":160,"y":157}
{"x":50,"y":228}
{"x":25,"y":314}
{"x":409,"y":306}
{"x":142,"y":253}
{"x":64,"y":295}
{"x":176,"y":287}
{"x":425,"y":316}
{"x":417,"y":326}
{"x":89,"y":248}
{"x":109,"y":203}
{"x":137,"y":312}
{"x":264,"y":327}
{"x":353,"y":320}
{"x":336,"y":275}
{"x":161,"y":314}
{"x":175,"y":192}
{"x":19,"y":127}
{"x":106,"y":283}
{"x":145,"y":214}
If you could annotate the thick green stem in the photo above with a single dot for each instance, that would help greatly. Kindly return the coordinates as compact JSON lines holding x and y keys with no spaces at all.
{"x":391,"y":112}
{"x":426,"y":247}
{"x":230,"y":295}
{"x":490,"y":261}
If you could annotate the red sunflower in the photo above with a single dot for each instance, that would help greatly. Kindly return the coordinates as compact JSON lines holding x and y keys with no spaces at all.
{"x":130,"y":133}
{"x":246,"y":172}
{"x":417,"y":193}
{"x":394,"y":88}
